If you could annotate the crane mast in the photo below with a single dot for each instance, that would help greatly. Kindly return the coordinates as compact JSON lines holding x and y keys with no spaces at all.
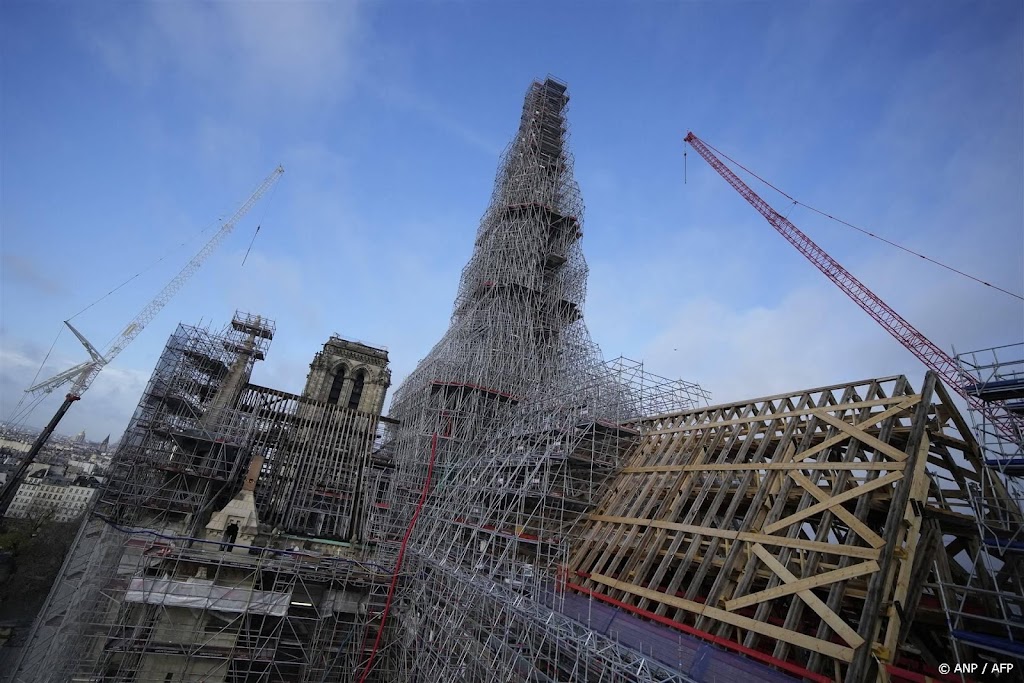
{"x":945,"y":366}
{"x":82,"y":375}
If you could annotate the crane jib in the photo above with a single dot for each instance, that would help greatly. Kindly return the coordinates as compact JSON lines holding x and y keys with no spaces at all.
{"x":933,"y":357}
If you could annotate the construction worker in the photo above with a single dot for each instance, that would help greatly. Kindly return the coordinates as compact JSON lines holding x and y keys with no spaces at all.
{"x":230,"y":534}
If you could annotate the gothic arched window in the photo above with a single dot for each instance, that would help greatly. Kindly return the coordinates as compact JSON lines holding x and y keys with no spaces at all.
{"x":339,"y":379}
{"x":357,"y":390}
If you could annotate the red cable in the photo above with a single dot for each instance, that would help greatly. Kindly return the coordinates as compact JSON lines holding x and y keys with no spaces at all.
{"x":401,"y":555}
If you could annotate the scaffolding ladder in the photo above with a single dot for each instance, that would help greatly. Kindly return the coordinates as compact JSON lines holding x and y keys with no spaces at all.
{"x":986,"y":613}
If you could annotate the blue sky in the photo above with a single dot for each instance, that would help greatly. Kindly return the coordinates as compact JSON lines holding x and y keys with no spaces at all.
{"x":128,"y":128}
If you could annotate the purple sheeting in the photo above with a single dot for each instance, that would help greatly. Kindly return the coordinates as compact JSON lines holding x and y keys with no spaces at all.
{"x":701,"y":661}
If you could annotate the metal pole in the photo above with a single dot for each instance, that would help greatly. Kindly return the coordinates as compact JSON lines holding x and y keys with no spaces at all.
{"x":12,"y":484}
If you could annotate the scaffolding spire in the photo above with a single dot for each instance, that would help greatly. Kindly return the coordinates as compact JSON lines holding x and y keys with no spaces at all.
{"x":508,"y":430}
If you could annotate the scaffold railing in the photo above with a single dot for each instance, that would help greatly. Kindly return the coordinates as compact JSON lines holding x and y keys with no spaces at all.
{"x":986,"y":612}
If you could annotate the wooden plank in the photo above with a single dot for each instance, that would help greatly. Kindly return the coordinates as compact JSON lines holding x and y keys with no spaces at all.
{"x":842,"y":629}
{"x":950,"y":441}
{"x":688,"y":506}
{"x":742,"y":466}
{"x":596,"y":547}
{"x":813,"y":429}
{"x":774,"y":397}
{"x":735,"y":552}
{"x":648,"y":499}
{"x":808,"y":642}
{"x":879,"y":590}
{"x":747,"y":536}
{"x":833,"y":501}
{"x":863,"y":424}
{"x":834,"y":576}
{"x":911,"y":544}
{"x":863,"y":437}
{"x":862,"y":529}
{"x":773,"y":416}
{"x":810,"y":563}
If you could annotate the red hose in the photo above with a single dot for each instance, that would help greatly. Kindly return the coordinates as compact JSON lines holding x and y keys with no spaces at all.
{"x":401,"y":556}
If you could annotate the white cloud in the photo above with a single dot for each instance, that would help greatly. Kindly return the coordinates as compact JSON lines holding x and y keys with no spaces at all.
{"x":274,"y":51}
{"x":813,"y":334}
{"x":810,"y":338}
{"x":106,"y":407}
{"x":24,"y":271}
{"x":431,"y":111}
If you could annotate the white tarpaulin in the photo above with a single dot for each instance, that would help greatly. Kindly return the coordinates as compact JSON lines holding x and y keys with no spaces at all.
{"x":345,"y":602}
{"x":207,"y":596}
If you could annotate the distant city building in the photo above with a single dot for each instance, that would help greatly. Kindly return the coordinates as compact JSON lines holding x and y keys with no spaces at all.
{"x":38,"y":496}
{"x":15,"y":445}
{"x":79,"y":437}
{"x":81,"y":467}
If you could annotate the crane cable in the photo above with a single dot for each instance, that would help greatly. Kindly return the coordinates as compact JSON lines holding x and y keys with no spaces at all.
{"x":797,"y":202}
{"x":19,"y":415}
{"x":146,"y":269}
{"x":259,"y":224}
{"x":250,"y":244}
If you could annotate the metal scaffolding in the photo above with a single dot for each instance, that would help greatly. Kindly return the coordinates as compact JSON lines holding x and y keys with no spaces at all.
{"x":529,"y":511}
{"x":227,"y":544}
{"x":986,"y":611}
{"x":507,"y":433}
{"x":315,"y":458}
{"x":187,"y":440}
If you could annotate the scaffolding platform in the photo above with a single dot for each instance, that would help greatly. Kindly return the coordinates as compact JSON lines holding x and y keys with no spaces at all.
{"x":1003,"y":545}
{"x":998,"y":390}
{"x":991,"y":643}
{"x":1013,"y":467}
{"x":454,"y":386}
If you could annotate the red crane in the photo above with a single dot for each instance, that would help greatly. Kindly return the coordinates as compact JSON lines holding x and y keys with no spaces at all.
{"x":1009,"y":425}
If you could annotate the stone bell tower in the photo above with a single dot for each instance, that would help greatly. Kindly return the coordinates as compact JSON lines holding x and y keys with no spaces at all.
{"x":350,"y":374}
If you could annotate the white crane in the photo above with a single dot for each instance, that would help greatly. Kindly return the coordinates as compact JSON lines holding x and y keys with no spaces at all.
{"x":82,"y":375}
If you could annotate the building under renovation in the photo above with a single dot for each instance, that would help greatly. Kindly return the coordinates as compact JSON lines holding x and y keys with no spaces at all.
{"x":196,"y":562}
{"x":530,"y":511}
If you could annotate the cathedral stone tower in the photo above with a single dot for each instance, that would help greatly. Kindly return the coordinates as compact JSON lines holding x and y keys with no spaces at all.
{"x":350,"y":374}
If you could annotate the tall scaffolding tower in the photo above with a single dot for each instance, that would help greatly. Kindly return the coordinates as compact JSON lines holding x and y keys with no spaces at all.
{"x":507,"y":431}
{"x":986,"y":612}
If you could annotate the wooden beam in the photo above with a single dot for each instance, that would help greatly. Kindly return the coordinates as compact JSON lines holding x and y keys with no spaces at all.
{"x":879,"y":589}
{"x":772,"y":417}
{"x":834,"y":501}
{"x":808,"y":642}
{"x":747,"y":536}
{"x":742,"y":466}
{"x":834,"y":576}
{"x":841,"y":628}
{"x":911,"y":544}
{"x":863,"y":424}
{"x":862,"y":436}
{"x":862,"y":529}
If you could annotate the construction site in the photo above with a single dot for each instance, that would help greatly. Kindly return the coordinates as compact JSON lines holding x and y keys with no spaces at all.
{"x":531,"y":511}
